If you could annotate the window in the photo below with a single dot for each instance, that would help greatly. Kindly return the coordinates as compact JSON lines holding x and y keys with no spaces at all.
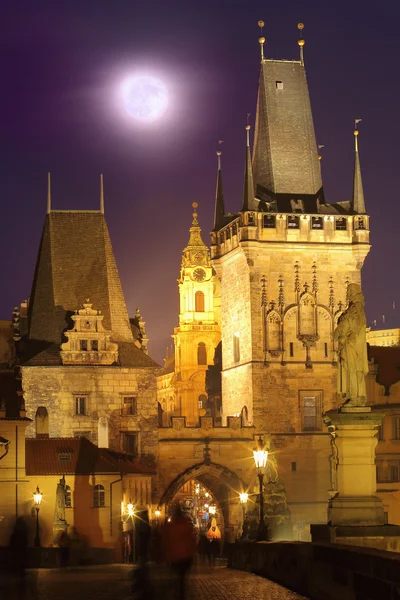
{"x":199,"y":301}
{"x":291,"y":349}
{"x":326,"y":350}
{"x":228,"y":234}
{"x":80,"y":405}
{"x":386,"y":518}
{"x":68,"y":497}
{"x":294,"y":467}
{"x":129,"y":405}
{"x":396,"y":428}
{"x":311,"y":410}
{"x":317,"y":223}
{"x":201,"y":354}
{"x":394,"y":472}
{"x":293,"y":222}
{"x":380,"y":432}
{"x":236,"y":348}
{"x":202,"y":401}
{"x":269,"y":221}
{"x":341,"y":224}
{"x":279,"y":85}
{"x":94,"y":345}
{"x":250,"y":219}
{"x":83,"y":345}
{"x":99,"y":496}
{"x":360,"y":223}
{"x":379,"y":473}
{"x":130,"y":443}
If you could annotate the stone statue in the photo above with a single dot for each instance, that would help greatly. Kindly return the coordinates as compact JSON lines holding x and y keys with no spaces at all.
{"x":60,"y":502}
{"x":350,"y":334}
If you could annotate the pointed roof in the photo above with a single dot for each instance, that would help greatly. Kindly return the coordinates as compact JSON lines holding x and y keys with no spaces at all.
{"x":76,"y":261}
{"x":196,"y":252}
{"x":219,"y":210}
{"x":358,"y":202}
{"x":249,"y":201}
{"x":285,"y":156}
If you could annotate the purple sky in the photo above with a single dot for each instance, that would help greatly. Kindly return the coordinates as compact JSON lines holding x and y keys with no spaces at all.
{"x":61,"y":64}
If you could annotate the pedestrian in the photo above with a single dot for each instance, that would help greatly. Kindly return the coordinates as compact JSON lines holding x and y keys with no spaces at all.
{"x":63,"y":544}
{"x":180,"y":546}
{"x":18,"y":558}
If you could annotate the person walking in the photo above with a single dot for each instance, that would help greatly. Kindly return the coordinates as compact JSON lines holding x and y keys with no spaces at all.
{"x":180,"y":546}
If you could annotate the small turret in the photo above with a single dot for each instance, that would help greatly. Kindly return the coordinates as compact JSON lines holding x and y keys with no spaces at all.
{"x":358,"y":203}
{"x":249,"y":202}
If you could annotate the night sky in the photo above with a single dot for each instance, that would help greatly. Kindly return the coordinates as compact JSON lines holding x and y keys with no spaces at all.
{"x":61,"y":66}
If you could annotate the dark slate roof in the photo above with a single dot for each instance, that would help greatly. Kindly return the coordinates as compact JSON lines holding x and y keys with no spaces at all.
{"x":388,"y":360}
{"x":69,"y":456}
{"x":75,"y":262}
{"x":285,"y":155}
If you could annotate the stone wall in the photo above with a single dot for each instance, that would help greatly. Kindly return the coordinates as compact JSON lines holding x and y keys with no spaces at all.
{"x":322,"y":571}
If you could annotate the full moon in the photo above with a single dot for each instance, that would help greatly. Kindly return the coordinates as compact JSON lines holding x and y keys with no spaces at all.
{"x":145,"y":98}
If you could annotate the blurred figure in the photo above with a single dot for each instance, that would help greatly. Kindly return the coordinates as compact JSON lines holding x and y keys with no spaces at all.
{"x":204,"y":549}
{"x":63,"y":543}
{"x":141,"y":583}
{"x":180,"y":546}
{"x":18,"y":559}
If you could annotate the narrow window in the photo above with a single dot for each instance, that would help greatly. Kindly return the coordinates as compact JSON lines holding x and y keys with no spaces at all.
{"x":396,"y":428}
{"x":199,"y":301}
{"x":201,"y":354}
{"x":311,"y":411}
{"x":129,"y":405}
{"x":130,"y":443}
{"x":269,"y":221}
{"x":326,"y":350}
{"x":80,"y":405}
{"x":291,"y":349}
{"x":341,"y":224}
{"x":380,"y":432}
{"x":279,"y":85}
{"x":250,"y":219}
{"x":294,"y":467}
{"x":99,"y":496}
{"x":385,"y":518}
{"x":236,"y":348}
{"x":94,"y":345}
{"x":68,"y":497}
{"x":394,"y":472}
{"x":202,"y":401}
{"x":317,"y":223}
{"x":293,"y":222}
{"x":379,"y":473}
{"x":83,"y":345}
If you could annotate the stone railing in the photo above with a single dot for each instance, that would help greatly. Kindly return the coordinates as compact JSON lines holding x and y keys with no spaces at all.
{"x":322,"y":571}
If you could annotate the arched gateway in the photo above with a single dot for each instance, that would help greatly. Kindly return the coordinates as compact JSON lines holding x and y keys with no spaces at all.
{"x":214,"y":461}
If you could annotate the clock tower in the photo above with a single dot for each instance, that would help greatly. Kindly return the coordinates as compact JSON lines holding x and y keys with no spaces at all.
{"x":197,"y":334}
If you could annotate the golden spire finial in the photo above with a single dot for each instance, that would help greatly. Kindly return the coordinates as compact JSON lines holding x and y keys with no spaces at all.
{"x":48,"y":194}
{"x":320,"y":146}
{"x":301,"y":41}
{"x":195,"y":221}
{"x":261,"y":40}
{"x":248,"y":127}
{"x":356,"y":132}
{"x":219,"y":153}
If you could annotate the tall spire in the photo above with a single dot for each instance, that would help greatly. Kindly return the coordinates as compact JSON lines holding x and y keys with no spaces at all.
{"x":358,"y":192}
{"x":301,"y":42}
{"x":249,"y":202}
{"x":101,"y":195}
{"x":48,"y":194}
{"x":219,"y":198}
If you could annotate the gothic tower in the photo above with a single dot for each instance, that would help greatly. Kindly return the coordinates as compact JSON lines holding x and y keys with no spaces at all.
{"x":284,"y":262}
{"x":197,"y":335}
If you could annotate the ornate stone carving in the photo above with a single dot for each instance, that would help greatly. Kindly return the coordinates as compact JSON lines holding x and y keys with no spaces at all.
{"x":87,"y":341}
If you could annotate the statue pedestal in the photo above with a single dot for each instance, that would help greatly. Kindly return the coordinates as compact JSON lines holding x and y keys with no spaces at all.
{"x":355,"y":440}
{"x":355,"y":514}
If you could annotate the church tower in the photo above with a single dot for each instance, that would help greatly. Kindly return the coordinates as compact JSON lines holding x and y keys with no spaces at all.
{"x":284,"y":262}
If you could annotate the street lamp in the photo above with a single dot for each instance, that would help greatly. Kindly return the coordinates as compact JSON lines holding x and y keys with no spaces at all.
{"x":243,"y":497}
{"x":260,"y":459}
{"x":37,"y":498}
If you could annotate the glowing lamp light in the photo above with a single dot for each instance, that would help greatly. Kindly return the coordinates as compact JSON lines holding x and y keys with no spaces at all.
{"x":206,"y":506}
{"x":212,"y":510}
{"x":243,"y":497}
{"x":207,"y":494}
{"x":260,"y":456}
{"x":157,"y":514}
{"x":37,"y":496}
{"x":130,"y":509}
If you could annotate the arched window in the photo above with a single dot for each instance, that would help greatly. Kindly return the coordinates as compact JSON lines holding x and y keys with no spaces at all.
{"x":202,"y":401}
{"x":99,"y":496}
{"x":201,"y":354}
{"x":68,"y":497}
{"x":199,"y":301}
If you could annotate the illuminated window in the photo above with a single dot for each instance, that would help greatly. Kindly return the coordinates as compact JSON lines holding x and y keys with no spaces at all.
{"x":202,"y":401}
{"x":129,"y":405}
{"x":279,"y":85}
{"x":99,"y":496}
{"x":236,"y":347}
{"x":199,"y":301}
{"x":311,"y":410}
{"x":293,"y":222}
{"x":68,"y":497}
{"x":317,"y":223}
{"x":80,"y":405}
{"x":201,"y":354}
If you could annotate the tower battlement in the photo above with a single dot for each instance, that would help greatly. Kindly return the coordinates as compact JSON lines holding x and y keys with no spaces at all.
{"x":207,"y":428}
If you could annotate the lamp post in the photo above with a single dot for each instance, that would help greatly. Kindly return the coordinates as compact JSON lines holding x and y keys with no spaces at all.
{"x":243,"y":497}
{"x":260,"y":459}
{"x":37,"y":498}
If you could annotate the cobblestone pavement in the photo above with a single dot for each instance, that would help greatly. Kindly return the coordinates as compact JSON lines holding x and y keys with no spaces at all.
{"x":114,"y":582}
